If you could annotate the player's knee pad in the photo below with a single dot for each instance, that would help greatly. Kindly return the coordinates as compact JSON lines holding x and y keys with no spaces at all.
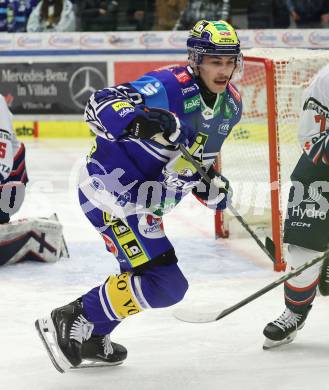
{"x":121,"y":296}
{"x":297,"y":256}
{"x":127,"y":294}
{"x":164,"y":285}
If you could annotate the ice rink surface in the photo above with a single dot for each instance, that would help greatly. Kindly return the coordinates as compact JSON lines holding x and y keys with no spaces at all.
{"x":163,"y":353}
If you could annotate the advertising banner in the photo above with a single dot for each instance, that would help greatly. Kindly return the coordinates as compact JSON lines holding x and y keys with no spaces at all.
{"x":153,"y":41}
{"x":51,"y":88}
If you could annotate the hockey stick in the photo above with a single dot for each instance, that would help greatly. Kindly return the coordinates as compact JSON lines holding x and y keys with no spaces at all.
{"x":191,"y":316}
{"x":269,"y":247}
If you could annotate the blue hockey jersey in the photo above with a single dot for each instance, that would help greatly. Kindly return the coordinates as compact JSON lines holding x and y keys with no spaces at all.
{"x":110,"y":111}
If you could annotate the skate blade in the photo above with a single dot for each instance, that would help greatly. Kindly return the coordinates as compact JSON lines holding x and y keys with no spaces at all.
{"x":269,"y":344}
{"x":95,"y":364}
{"x":47,"y":333}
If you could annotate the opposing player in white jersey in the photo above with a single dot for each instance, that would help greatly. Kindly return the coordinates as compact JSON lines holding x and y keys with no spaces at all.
{"x":29,"y":239}
{"x":306,"y":229}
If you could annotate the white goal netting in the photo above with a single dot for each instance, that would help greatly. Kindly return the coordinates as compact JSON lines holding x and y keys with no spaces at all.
{"x":273,"y":105}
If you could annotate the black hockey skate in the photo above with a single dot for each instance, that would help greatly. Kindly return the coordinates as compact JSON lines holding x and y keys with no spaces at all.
{"x":63,"y":334}
{"x":324,"y":278}
{"x":101,"y":349}
{"x":284,"y":329}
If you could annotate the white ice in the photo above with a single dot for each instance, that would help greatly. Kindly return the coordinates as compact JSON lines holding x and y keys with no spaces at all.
{"x":163,"y":353}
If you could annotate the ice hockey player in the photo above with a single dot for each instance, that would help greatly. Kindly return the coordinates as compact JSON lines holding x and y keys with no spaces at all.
{"x":306,"y":228}
{"x":27,"y":239}
{"x":135,"y":173}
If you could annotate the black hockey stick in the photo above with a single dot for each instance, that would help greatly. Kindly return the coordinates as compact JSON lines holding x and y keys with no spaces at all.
{"x":269,"y":248}
{"x":191,"y":316}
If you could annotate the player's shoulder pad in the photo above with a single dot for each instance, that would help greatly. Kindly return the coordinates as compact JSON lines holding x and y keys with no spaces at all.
{"x":182,"y":88}
{"x":316,"y":96}
{"x":234,"y":100}
{"x":181,"y":77}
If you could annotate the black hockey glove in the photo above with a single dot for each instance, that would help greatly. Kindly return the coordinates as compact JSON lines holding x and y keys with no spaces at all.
{"x":215,"y":195}
{"x":151,"y":122}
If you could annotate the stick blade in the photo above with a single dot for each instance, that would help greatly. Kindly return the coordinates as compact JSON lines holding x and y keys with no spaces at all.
{"x":270,"y":246}
{"x":192,"y":316}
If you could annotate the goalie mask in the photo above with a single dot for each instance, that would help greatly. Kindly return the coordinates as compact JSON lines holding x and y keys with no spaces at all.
{"x":214,"y":38}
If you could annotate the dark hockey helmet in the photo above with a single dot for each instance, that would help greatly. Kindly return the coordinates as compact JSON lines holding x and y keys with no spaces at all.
{"x":213,"y":38}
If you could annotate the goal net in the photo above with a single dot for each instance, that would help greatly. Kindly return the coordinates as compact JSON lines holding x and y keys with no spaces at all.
{"x":262,"y":150}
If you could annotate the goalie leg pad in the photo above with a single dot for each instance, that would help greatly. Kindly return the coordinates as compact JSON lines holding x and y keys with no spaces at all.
{"x":30,"y":239}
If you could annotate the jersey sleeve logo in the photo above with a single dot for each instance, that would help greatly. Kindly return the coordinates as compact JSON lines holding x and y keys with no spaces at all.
{"x":182,"y":77}
{"x":119,"y":105}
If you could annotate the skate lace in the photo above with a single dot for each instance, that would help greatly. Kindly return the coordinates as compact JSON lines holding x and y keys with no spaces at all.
{"x":81,"y":329}
{"x":108,"y":349}
{"x":287,"y":319}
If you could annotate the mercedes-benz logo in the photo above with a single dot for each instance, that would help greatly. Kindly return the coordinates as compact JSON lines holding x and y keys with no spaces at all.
{"x":83,"y":83}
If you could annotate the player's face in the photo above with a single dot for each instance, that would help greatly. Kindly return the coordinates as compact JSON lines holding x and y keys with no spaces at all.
{"x":216,"y":72}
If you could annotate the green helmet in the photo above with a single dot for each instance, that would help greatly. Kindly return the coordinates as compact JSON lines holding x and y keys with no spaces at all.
{"x":213,"y":38}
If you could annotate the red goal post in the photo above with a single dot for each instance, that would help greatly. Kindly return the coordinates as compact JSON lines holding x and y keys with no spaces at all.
{"x":262,"y":150}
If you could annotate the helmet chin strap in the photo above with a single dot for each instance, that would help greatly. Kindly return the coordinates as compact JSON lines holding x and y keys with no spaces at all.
{"x":233,"y":71}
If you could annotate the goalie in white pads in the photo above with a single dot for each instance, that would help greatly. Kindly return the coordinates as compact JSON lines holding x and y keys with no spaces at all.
{"x":306,"y":228}
{"x":29,"y":239}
